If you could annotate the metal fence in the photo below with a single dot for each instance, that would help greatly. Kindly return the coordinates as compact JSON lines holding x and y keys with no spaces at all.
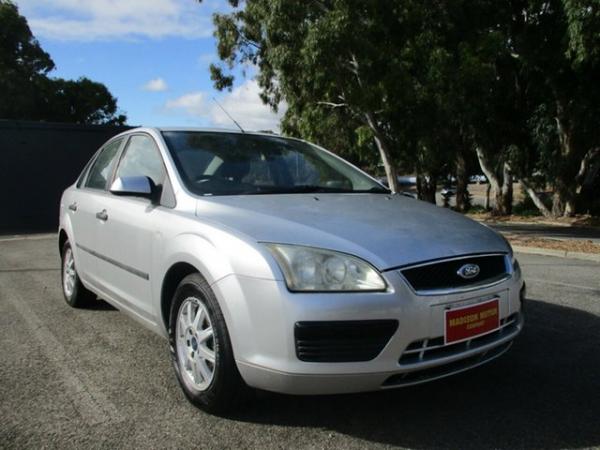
{"x":38,"y":160}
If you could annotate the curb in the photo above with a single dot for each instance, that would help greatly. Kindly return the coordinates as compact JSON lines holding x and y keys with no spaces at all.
{"x":521,"y":222}
{"x":548,"y":223}
{"x":557,"y":253}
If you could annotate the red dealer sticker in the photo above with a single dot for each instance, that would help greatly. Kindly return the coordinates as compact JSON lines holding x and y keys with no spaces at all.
{"x":470,"y":321}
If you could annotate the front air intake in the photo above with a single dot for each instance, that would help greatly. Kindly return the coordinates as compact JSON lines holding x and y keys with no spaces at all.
{"x":342,"y":341}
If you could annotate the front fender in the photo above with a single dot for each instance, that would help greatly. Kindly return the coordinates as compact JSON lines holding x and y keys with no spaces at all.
{"x":197,"y":251}
{"x":215,"y":258}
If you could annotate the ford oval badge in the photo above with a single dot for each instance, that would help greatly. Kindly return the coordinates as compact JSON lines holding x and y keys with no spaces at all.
{"x":468,"y":271}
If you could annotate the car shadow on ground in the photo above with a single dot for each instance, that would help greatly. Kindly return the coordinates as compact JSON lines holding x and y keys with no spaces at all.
{"x":544,"y":393}
{"x":99,"y":305}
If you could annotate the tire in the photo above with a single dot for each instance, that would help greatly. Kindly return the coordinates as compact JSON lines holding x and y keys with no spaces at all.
{"x":203,"y":361}
{"x":75,"y":293}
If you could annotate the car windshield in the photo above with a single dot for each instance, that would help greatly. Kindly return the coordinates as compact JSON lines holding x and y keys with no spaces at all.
{"x":216,"y":163}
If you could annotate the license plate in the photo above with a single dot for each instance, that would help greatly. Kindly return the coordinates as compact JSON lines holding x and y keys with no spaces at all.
{"x":470,"y":321}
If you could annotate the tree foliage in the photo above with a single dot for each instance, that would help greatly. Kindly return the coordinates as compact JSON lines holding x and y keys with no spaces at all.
{"x":433,"y":85}
{"x":28,"y":93}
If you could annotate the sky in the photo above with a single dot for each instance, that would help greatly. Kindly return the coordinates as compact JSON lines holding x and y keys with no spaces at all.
{"x":153,"y":55}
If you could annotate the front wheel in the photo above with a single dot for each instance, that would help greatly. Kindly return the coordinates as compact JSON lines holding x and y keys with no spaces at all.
{"x":201,"y":350}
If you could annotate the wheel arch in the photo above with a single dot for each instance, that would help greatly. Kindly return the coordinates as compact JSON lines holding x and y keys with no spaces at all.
{"x":214,"y":257}
{"x":62,"y":238}
{"x":171,"y":280}
{"x":187,"y":253}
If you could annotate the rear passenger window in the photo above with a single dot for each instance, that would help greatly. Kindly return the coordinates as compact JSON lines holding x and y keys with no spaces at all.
{"x":103,"y":166}
{"x":142,"y":158}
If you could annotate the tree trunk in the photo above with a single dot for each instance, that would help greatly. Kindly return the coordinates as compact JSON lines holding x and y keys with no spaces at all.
{"x":564,"y":189}
{"x":488,"y":188}
{"x":487,"y":169}
{"x":537,"y":201}
{"x":463,"y":201}
{"x":585,"y":166}
{"x":384,"y":152}
{"x":500,"y":183}
{"x":426,"y":187}
{"x":504,"y":198}
{"x":379,"y":136}
{"x":562,"y":202}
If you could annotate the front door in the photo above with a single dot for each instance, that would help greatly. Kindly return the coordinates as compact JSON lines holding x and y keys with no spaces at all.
{"x":128,"y":236}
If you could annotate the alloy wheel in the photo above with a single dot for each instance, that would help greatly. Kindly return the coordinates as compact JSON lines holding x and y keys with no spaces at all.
{"x":69,"y":273}
{"x":195,"y":343}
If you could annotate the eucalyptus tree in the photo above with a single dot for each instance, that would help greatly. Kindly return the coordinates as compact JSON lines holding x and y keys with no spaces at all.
{"x":321,"y":56}
{"x":430,"y":84}
{"x":557,"y":42}
{"x":527,"y":75}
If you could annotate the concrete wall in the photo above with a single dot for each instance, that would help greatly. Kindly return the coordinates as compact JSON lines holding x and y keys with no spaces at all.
{"x":38,"y":160}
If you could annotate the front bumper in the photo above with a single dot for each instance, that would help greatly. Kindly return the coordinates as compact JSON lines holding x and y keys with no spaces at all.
{"x":262,"y":314}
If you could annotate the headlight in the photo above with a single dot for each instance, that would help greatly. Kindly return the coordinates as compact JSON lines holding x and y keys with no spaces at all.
{"x":313,"y":269}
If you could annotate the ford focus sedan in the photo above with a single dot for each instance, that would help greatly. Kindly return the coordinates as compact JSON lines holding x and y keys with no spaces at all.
{"x":271,"y":263}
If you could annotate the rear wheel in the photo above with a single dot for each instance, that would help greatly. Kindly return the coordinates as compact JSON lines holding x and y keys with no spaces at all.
{"x":75,"y":293}
{"x":201,"y":350}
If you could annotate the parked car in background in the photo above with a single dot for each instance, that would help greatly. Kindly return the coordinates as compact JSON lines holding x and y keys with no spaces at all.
{"x":270,"y":263}
{"x":448,"y":191}
{"x":405,"y":181}
{"x":478,"y":178}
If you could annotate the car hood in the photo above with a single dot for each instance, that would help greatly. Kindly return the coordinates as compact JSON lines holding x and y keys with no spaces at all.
{"x":387,"y":230}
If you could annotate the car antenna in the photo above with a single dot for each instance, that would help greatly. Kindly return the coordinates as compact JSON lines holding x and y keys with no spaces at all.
{"x":228,"y":115}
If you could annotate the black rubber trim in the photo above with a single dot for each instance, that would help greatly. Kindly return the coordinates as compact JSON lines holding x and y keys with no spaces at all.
{"x":125,"y":267}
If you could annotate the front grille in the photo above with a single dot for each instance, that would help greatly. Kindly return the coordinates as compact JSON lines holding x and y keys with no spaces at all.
{"x":342,"y":341}
{"x":432,"y":349}
{"x":444,"y":275}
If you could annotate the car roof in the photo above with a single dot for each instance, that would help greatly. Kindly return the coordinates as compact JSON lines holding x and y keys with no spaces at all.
{"x":206,"y":130}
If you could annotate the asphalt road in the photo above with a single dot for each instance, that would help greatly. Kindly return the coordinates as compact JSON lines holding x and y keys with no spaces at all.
{"x":95,"y":378}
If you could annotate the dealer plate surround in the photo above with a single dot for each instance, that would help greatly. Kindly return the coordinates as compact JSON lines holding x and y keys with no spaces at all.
{"x":467,"y":322}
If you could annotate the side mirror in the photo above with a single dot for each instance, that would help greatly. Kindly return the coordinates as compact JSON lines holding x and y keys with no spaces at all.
{"x":134,"y":186}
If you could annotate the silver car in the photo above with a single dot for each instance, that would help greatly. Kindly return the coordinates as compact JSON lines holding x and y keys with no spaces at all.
{"x":271,"y":263}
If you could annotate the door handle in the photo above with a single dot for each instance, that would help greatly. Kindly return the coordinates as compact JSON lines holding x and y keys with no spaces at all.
{"x":73,"y":206}
{"x":102,"y":215}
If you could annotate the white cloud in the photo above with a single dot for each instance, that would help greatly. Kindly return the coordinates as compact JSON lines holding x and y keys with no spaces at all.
{"x":155,"y":85}
{"x":243,"y":103}
{"x":89,"y":20}
{"x":193,"y":104}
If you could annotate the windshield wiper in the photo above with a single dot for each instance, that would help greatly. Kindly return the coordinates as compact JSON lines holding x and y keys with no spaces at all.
{"x":310,"y":189}
{"x":374,"y":190}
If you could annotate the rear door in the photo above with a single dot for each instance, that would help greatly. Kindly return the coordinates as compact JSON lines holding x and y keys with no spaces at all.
{"x":84,"y":205}
{"x":129,"y":237}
